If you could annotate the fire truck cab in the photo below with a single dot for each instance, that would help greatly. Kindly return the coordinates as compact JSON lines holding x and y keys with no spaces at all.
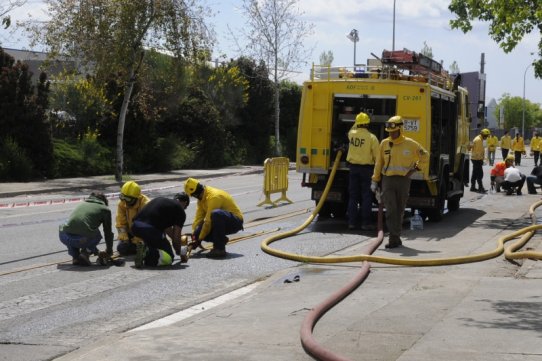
{"x":435,"y":113}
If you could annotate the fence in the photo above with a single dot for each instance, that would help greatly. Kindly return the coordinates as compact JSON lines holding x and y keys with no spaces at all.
{"x":275,"y":172}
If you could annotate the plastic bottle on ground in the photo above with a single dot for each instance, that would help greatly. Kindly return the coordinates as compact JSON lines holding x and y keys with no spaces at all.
{"x":416,"y":221}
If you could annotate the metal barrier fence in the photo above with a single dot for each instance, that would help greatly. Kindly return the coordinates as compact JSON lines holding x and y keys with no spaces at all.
{"x":275,"y":173}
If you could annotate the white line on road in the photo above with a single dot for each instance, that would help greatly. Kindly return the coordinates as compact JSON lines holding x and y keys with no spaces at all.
{"x":194,"y":310}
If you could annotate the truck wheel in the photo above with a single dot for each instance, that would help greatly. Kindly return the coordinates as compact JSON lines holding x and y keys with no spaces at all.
{"x":436,"y":214}
{"x":453,"y":203}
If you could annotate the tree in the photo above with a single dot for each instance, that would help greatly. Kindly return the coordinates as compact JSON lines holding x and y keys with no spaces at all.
{"x":111,"y":37}
{"x":23,"y":121}
{"x":275,"y":32}
{"x":326,"y":58}
{"x":513,"y":112}
{"x":6,"y":7}
{"x":509,"y":21}
{"x":427,"y":50}
{"x":454,"y":68}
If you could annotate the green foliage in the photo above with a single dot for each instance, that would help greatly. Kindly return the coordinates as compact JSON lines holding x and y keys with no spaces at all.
{"x":84,"y":157}
{"x":513,"y":112}
{"x":203,"y":130}
{"x":509,"y":21}
{"x":15,"y":165}
{"x":22,"y":113}
{"x":427,"y":50}
{"x":326,"y":58}
{"x":78,"y":104}
{"x":290,"y":100}
{"x":68,"y":159}
{"x":256,"y":117}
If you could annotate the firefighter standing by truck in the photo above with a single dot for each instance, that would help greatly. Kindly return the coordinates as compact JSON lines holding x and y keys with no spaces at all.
{"x":361,"y":157}
{"x":506,"y":144}
{"x":477,"y":159}
{"x":492,"y":142}
{"x":536,"y":143}
{"x":131,"y":203}
{"x":398,"y":158}
{"x":518,"y":147}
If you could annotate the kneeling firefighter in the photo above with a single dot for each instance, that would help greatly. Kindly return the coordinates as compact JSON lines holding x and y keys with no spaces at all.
{"x":131,"y":203}
{"x":217,"y":215}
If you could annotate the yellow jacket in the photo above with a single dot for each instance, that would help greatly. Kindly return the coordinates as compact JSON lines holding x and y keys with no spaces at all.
{"x":492,"y":142}
{"x":398,"y":157}
{"x":535,"y":144}
{"x":125,"y":216}
{"x":518,"y":145}
{"x":213,"y":198}
{"x":506,"y":142}
{"x":363,"y":146}
{"x":477,"y":150}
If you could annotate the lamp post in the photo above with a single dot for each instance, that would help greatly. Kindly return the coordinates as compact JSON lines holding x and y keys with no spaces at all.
{"x":523,"y":114}
{"x":353,"y":36}
{"x":393,"y":38}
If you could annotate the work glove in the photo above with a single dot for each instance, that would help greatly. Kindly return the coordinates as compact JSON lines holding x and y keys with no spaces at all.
{"x":374,"y":186}
{"x":123,"y":237}
{"x":195,"y":242}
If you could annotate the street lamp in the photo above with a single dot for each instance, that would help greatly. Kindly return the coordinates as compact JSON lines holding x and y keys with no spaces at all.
{"x":523,"y":114}
{"x":393,"y":39}
{"x":353,"y":36}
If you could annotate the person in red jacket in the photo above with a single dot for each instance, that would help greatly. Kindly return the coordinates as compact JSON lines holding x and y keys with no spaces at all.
{"x":497,"y":172}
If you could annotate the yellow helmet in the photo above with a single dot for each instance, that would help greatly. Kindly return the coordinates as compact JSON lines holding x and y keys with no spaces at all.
{"x":130,"y":189}
{"x":510,"y":157}
{"x":362,"y":119}
{"x":485,"y":131}
{"x":394,"y":123}
{"x":190,"y":186}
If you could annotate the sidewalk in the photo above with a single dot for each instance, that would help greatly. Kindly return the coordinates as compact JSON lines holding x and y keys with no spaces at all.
{"x":101,"y":182}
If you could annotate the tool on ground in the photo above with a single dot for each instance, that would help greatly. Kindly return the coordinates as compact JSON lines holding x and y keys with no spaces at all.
{"x":105,"y":259}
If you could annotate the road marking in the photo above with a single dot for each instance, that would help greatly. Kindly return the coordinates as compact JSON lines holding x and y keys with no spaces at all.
{"x":194,"y":310}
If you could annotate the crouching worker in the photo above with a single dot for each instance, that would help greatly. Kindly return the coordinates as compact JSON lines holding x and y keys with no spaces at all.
{"x":513,"y":181}
{"x":131,"y":202}
{"x":81,"y":233}
{"x":497,"y":172}
{"x":151,"y":223}
{"x":217,"y":215}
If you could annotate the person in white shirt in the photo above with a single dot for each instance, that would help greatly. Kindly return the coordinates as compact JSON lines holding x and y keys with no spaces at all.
{"x":513,"y":181}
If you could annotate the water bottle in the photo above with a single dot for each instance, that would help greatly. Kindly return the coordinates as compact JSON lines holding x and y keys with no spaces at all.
{"x":416,"y":221}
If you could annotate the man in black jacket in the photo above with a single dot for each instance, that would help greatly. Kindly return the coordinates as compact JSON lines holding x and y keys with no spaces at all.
{"x":151,"y":224}
{"x":534,"y":178}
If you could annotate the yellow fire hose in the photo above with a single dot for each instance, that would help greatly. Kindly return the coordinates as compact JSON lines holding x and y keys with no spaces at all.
{"x":309,"y":343}
{"x":525,"y":233}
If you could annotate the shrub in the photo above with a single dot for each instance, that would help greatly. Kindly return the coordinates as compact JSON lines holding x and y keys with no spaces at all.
{"x":15,"y":165}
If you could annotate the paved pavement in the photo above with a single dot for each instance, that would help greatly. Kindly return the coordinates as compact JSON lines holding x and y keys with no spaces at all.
{"x":490,"y":310}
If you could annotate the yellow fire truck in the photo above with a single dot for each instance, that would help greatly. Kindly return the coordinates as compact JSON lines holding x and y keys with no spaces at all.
{"x":435,"y":112}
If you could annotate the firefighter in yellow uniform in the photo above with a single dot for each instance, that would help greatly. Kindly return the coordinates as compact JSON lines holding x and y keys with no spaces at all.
{"x":536,"y":143}
{"x":518,"y":147}
{"x":477,"y":159}
{"x":217,"y":215}
{"x":362,"y":152}
{"x":492,"y":142}
{"x":506,"y":144}
{"x":131,"y":202}
{"x":398,"y":158}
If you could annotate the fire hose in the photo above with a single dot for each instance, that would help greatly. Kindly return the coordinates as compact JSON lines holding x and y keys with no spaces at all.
{"x":307,"y":340}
